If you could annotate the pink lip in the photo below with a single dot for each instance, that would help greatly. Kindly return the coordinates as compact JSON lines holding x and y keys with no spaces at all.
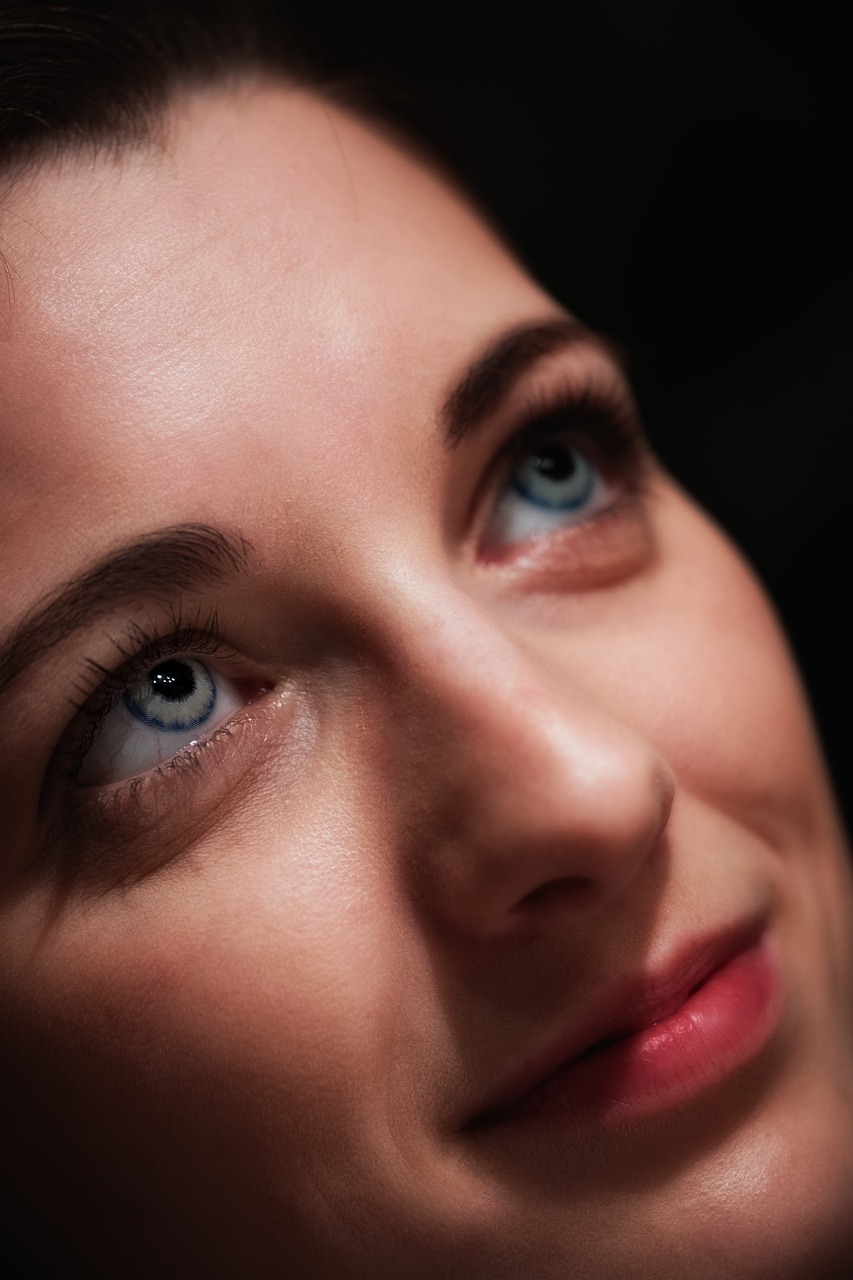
{"x":658,"y":1041}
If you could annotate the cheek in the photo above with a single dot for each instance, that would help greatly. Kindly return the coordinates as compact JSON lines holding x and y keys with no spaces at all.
{"x":228,"y":1027}
{"x":693,"y":658}
{"x":731,"y":717}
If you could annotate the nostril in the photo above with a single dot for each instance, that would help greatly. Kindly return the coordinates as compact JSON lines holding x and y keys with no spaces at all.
{"x":556,"y":892}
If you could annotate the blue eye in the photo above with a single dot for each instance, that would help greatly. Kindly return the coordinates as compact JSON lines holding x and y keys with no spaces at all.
{"x":176,"y":702}
{"x":176,"y":695}
{"x":554,"y":475}
{"x":551,"y":484}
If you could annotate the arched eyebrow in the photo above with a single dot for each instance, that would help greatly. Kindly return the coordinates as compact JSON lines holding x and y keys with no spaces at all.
{"x":498,"y":368}
{"x":169,"y":561}
{"x":159,"y":565}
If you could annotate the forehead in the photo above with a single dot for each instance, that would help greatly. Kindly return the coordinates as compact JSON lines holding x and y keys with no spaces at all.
{"x":271,"y":283}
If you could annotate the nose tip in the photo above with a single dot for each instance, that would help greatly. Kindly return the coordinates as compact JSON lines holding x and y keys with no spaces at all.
{"x":539,"y":797}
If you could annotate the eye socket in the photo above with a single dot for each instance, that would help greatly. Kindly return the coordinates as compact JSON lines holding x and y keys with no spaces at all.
{"x":176,"y":701}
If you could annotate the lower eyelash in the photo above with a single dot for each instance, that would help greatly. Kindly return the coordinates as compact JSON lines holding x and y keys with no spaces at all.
{"x":119,"y":834}
{"x":189,"y":757}
{"x":140,"y":650}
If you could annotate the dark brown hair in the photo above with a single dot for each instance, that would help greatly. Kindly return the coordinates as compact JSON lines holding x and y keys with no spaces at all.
{"x":95,"y":73}
{"x":100,"y":74}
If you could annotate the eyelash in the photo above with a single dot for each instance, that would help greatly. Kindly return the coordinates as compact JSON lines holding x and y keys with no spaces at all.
{"x":602,"y":419}
{"x":600,"y":416}
{"x":141,"y":649}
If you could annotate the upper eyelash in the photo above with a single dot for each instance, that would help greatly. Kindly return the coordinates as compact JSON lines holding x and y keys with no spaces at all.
{"x":140,"y":649}
{"x":604,"y":416}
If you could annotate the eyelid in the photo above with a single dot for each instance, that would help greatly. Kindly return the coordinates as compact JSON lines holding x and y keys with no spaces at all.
{"x":594,"y":404}
{"x":607,"y":427}
{"x":124,"y":829}
{"x":200,"y":638}
{"x":589,"y":375}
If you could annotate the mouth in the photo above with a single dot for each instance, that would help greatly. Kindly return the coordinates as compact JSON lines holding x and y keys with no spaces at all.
{"x":656,"y":1042}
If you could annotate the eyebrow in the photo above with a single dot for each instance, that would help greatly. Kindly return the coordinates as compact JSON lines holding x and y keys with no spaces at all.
{"x":493,"y":374}
{"x":169,"y":561}
{"x":163,"y":563}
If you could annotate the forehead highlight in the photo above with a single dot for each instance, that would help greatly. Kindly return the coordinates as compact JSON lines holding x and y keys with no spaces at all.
{"x":160,"y":306}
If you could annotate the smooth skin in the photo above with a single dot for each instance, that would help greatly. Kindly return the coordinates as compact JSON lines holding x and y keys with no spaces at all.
{"x":250,"y":1005}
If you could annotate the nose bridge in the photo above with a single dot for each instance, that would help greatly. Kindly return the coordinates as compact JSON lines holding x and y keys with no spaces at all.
{"x":511,"y":778}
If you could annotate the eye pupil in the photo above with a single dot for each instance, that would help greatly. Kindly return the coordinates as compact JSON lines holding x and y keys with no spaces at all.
{"x":174,"y":681}
{"x":554,"y":461}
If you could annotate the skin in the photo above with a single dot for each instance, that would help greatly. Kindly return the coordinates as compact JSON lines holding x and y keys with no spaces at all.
{"x":246,"y":1019}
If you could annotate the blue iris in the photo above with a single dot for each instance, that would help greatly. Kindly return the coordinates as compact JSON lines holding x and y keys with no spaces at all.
{"x":176,"y":695}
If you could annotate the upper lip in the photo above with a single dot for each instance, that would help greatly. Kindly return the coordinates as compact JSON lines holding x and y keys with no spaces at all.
{"x":638,"y":1002}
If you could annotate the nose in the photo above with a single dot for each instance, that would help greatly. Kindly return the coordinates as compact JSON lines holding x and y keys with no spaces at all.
{"x":521,"y":789}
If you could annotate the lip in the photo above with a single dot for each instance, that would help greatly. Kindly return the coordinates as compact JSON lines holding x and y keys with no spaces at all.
{"x":658,"y":1040}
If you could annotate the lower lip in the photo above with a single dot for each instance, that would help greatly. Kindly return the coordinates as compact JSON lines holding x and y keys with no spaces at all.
{"x":721,"y":1027}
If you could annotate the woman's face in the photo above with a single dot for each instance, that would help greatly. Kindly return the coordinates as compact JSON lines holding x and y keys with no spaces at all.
{"x":416,"y":854}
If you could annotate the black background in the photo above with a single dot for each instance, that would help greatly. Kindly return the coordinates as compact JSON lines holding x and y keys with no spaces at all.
{"x":675,"y":174}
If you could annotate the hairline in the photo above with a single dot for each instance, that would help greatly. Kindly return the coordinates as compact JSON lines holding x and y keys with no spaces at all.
{"x":149,"y":127}
{"x":156,"y":121}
